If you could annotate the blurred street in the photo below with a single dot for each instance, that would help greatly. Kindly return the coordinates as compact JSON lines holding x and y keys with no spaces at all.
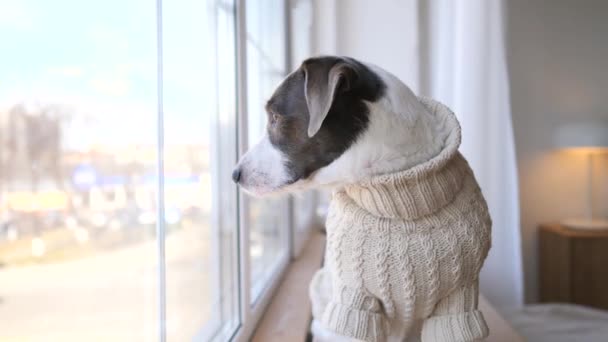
{"x":109,"y":296}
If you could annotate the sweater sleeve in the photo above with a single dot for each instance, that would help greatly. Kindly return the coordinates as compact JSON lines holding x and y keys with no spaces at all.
{"x":355,"y":314}
{"x":456,"y":318}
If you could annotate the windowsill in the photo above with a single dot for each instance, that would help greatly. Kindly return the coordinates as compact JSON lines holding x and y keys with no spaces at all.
{"x":288,"y":315}
{"x":500,"y":329}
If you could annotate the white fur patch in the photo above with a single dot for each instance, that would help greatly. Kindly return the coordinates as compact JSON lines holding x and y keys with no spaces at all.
{"x":400,"y":135}
{"x":263,"y":169}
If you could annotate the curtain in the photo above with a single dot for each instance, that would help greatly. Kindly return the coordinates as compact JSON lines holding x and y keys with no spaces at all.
{"x":464,"y":66}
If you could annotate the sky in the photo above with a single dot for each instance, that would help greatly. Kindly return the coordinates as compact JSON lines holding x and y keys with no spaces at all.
{"x":99,"y":58}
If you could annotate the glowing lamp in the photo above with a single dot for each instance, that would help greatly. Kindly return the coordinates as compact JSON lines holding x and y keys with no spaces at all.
{"x":590,"y":138}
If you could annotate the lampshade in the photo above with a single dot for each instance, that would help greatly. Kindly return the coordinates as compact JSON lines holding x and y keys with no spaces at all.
{"x":592,"y":135}
{"x":589,"y":137}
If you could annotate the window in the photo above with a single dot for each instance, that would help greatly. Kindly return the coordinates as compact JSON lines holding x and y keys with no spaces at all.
{"x":200,"y":150}
{"x":266,"y":59}
{"x":79,"y":190}
{"x":77,"y":121}
{"x":118,"y":135}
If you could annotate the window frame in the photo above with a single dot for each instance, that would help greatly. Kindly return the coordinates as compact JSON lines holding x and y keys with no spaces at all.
{"x":215,"y":329}
{"x":251,"y":313}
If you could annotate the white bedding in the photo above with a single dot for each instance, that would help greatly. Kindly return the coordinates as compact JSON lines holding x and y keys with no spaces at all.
{"x":561,"y":323}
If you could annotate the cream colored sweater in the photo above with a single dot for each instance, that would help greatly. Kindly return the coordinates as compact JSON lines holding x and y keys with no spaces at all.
{"x":404,"y":252}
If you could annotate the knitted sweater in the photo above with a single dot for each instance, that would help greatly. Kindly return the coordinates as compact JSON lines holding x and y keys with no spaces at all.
{"x":404,"y":251}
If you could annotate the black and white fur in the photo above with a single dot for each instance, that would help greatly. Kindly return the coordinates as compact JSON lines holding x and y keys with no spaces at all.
{"x":335,"y":121}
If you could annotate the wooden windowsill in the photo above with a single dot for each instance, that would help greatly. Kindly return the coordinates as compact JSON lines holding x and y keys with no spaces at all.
{"x":288,"y":315}
{"x":287,"y":318}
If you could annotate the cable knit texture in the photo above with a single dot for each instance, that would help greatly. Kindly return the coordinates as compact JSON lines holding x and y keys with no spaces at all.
{"x":404,"y":251}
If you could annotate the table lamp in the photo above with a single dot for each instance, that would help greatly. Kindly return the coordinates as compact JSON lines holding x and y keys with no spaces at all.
{"x":590,"y":138}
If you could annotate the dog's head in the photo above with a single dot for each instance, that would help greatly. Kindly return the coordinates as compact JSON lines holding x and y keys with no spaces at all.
{"x":321,"y":111}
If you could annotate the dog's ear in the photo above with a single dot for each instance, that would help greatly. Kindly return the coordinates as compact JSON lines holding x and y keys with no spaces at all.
{"x":322,"y":83}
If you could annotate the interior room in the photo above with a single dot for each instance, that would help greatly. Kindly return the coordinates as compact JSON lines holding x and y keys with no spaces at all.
{"x":124,"y":126}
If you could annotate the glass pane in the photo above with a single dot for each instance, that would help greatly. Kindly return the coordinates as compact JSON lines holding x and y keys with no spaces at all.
{"x":266,"y":69}
{"x":77,"y":160}
{"x":200,"y":151}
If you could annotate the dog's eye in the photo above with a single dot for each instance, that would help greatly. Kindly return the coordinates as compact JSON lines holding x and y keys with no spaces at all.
{"x":274,"y":118}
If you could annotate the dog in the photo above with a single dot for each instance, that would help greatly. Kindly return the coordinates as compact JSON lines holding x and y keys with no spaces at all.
{"x":337,"y":121}
{"x":376,"y":125}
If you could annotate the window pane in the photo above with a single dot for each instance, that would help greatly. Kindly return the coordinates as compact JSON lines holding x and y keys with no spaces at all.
{"x":266,"y":69}
{"x":200,"y":151}
{"x":78,"y":156}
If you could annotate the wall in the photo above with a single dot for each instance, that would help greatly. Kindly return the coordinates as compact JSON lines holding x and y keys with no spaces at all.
{"x":558,"y":60}
{"x":383,"y":32}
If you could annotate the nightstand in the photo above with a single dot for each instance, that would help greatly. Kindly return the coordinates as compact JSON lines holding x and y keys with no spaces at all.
{"x":573,"y":266}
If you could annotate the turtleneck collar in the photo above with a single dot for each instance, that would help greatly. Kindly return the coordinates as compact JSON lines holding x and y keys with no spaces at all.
{"x":422,"y":189}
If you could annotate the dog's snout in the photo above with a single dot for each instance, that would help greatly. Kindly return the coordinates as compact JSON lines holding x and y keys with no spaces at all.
{"x":236,"y":174}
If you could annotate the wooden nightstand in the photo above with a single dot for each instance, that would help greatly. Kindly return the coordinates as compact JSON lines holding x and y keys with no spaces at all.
{"x":573,"y":266}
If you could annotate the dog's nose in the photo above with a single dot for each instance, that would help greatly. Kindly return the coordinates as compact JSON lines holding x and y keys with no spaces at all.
{"x":236,"y":175}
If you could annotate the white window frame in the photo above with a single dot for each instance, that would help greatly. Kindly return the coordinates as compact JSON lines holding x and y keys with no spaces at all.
{"x":216,"y":329}
{"x":251,"y":313}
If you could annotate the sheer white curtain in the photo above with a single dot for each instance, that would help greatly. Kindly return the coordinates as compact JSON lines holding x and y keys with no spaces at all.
{"x":465,"y":66}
